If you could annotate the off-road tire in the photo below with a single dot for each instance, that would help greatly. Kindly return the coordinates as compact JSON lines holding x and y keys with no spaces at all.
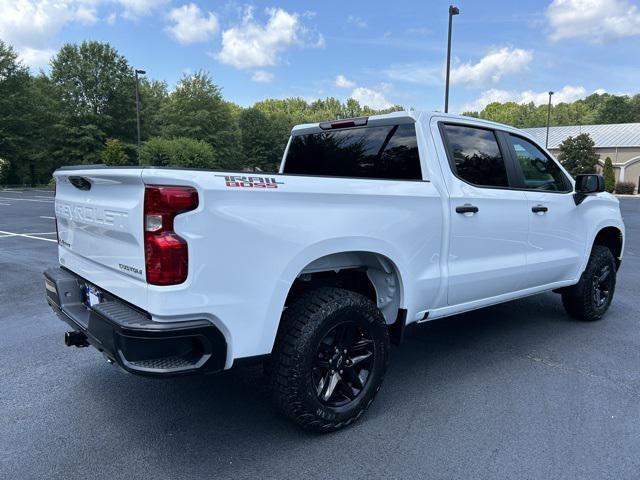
{"x":303,"y":326}
{"x":579,"y":300}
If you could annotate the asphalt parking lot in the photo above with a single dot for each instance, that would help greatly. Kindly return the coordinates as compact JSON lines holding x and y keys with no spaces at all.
{"x":513,"y":391}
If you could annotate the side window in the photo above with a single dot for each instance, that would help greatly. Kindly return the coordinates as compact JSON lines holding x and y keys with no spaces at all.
{"x":539,"y":171}
{"x":476,"y":156}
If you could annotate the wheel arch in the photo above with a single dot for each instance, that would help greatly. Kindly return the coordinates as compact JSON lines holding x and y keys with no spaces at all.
{"x":380,"y":276}
{"x":611,"y":237}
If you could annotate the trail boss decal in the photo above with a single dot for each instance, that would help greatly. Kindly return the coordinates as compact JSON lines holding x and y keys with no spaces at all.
{"x":250,"y":182}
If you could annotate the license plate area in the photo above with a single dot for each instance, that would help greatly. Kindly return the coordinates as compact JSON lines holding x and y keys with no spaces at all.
{"x":91,"y":295}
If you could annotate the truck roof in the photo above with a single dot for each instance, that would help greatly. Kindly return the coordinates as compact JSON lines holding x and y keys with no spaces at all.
{"x":396,"y":118}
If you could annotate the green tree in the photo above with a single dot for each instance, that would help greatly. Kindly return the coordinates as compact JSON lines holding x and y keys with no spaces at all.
{"x":153,"y":97}
{"x":178,"y":152}
{"x":264,"y":138}
{"x":577,"y":154}
{"x":609,"y":175}
{"x":96,"y":87}
{"x":197,"y":110}
{"x":114,"y":154}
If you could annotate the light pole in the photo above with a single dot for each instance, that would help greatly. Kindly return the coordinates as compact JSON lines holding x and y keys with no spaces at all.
{"x":546,"y":142}
{"x":141,"y":72}
{"x":453,"y":10}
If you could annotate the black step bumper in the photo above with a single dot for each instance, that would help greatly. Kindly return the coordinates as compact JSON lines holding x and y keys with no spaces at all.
{"x":128,"y":336}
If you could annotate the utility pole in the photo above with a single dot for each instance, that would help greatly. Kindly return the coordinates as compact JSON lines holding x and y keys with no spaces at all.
{"x":453,"y":10}
{"x":546,"y":143}
{"x":141,"y":72}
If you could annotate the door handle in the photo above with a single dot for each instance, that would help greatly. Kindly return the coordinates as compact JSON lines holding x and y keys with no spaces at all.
{"x":539,"y":209}
{"x":467,"y":208}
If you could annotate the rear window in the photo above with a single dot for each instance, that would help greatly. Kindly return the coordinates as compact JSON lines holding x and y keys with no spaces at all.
{"x":389,"y":152}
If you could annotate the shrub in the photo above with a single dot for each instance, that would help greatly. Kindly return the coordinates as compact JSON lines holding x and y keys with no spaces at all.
{"x":609,"y":175}
{"x":625,"y":188}
{"x":114,"y":154}
{"x":177,"y":152}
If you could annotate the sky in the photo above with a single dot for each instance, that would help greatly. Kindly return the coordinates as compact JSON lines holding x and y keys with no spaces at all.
{"x":380,"y":53}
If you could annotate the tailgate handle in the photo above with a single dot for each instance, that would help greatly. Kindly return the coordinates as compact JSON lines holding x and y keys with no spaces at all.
{"x":80,"y":183}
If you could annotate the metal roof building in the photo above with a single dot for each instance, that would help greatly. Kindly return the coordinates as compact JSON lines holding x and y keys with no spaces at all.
{"x":614,"y":135}
{"x":618,"y":141}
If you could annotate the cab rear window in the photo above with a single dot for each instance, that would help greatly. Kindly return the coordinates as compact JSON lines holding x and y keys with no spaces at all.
{"x":388,"y":152}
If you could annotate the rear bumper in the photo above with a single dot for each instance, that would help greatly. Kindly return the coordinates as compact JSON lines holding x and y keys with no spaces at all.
{"x":129,"y":337}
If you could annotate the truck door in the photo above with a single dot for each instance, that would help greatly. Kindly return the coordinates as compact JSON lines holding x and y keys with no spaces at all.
{"x":557,"y":229}
{"x":488,"y":219}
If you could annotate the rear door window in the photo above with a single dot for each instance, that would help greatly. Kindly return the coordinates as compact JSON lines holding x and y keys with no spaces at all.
{"x":475,"y":156}
{"x":388,"y":152}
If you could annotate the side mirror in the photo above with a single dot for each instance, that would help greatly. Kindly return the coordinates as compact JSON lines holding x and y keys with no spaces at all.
{"x":590,"y":183}
{"x":586,"y":185}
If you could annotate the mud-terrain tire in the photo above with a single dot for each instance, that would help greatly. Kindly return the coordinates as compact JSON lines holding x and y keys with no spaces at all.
{"x":591,"y":297}
{"x":329,"y":358}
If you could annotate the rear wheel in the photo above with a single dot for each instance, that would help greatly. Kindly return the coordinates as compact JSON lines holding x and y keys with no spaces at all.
{"x":329,"y":359}
{"x":591,"y":297}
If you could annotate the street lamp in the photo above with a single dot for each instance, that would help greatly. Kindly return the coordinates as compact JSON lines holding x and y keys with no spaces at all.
{"x":453,"y":10}
{"x":138,"y":72}
{"x":546,"y":143}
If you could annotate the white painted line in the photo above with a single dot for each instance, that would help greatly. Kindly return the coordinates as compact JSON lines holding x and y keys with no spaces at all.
{"x":49,"y":218}
{"x":12,"y":234}
{"x":25,"y":200}
{"x":44,"y":196}
{"x":7,"y":204}
{"x":39,"y":233}
{"x":11,"y":191}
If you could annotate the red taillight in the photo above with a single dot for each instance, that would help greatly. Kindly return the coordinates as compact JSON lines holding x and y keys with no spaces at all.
{"x":166,"y":253}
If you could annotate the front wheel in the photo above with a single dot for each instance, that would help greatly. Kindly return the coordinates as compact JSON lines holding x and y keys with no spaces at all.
{"x":329,"y":359}
{"x":591,"y":297}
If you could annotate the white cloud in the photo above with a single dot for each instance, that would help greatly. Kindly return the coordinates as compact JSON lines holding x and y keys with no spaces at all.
{"x":33,"y":23}
{"x":597,"y":21}
{"x":190,"y":25}
{"x":415,"y":73}
{"x":251,"y":44}
{"x":357,"y":21}
{"x":568,"y":93}
{"x":343,"y":82}
{"x":492,"y":67}
{"x":261,"y":76}
{"x":133,"y":9}
{"x":35,"y":57}
{"x":371,"y":98}
{"x":111,"y":18}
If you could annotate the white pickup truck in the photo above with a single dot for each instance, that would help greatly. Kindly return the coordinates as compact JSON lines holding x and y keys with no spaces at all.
{"x":371,"y":224}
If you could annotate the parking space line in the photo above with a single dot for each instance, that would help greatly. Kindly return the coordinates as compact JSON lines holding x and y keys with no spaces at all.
{"x":26,"y":200}
{"x":7,"y":204}
{"x":26,"y":235}
{"x":48,"y":218}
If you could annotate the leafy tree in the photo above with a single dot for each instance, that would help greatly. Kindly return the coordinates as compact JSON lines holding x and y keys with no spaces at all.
{"x":609,"y":175}
{"x":96,"y":86}
{"x":577,"y":154}
{"x":153,"y":97}
{"x":114,"y":154}
{"x":264,"y":139}
{"x":197,"y":110}
{"x":616,"y":109}
{"x":178,"y":152}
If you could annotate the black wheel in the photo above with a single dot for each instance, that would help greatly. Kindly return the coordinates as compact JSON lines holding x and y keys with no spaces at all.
{"x":591,"y":297}
{"x":329,"y":359}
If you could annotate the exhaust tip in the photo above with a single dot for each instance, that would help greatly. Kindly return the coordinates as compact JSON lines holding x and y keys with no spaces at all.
{"x":75,"y":339}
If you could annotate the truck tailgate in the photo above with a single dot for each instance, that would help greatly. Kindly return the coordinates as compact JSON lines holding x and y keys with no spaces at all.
{"x":99,"y":214}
